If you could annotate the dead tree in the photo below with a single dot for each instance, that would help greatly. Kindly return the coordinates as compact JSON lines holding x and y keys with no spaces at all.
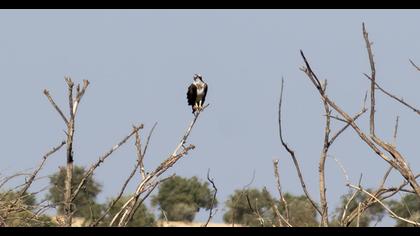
{"x":394,"y":158}
{"x":151,"y":180}
{"x":73,"y":105}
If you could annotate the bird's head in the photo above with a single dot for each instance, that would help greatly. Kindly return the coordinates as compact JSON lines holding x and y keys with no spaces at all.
{"x":198,"y":77}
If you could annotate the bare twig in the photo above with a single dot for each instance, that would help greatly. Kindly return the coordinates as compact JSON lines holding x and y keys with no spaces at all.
{"x":346,"y":126}
{"x":279,"y":216}
{"x":323,"y":158}
{"x":102,"y":159}
{"x":140,"y":156}
{"x":211,"y":180}
{"x":358,"y":215}
{"x":372,"y":85}
{"x":254,"y":210}
{"x":400,"y":100}
{"x":47,"y":93}
{"x":392,"y":214}
{"x":31,"y":179}
{"x":347,"y":206}
{"x":415,"y":66}
{"x":140,"y":153}
{"x":244,"y":189}
{"x":114,"y":201}
{"x":342,"y":169}
{"x":148,"y":138}
{"x":8,"y":178}
{"x":292,"y":153}
{"x":395,"y":132}
{"x":282,"y":198}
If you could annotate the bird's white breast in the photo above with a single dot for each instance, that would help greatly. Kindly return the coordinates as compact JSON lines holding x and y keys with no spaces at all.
{"x":200,"y":89}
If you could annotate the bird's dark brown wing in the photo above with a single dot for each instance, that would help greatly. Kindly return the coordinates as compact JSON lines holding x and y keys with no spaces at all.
{"x":191,"y":94}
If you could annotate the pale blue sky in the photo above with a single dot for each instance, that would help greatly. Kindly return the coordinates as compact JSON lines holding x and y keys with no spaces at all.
{"x":140,"y":62}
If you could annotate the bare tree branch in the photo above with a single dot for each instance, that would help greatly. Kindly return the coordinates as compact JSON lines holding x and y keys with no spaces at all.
{"x":292,"y":153}
{"x":415,"y":66}
{"x":282,"y":198}
{"x":323,"y":158}
{"x":127,"y":210}
{"x":140,"y":156}
{"x":372,"y":85}
{"x":213,"y":199}
{"x":392,"y":214}
{"x":47,"y":93}
{"x":397,"y":162}
{"x":400,"y":100}
{"x":114,"y":201}
{"x":254,"y":210}
{"x":102,"y":159}
{"x":395,"y":132}
{"x":31,"y":179}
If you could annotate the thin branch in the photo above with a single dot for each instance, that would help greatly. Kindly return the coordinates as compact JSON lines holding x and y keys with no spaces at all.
{"x":385,"y":177}
{"x":8,"y":178}
{"x":358,"y":215}
{"x":102,"y":159}
{"x":347,"y":206}
{"x":372,"y":85}
{"x":323,"y":158}
{"x":292,"y":154}
{"x":400,"y":100}
{"x":31,"y":179}
{"x":244,"y":189}
{"x":342,"y":169}
{"x":213,"y":199}
{"x":282,"y":198}
{"x":392,"y":214}
{"x":415,"y":66}
{"x":143,"y":153}
{"x":346,"y":126}
{"x":257,"y":214}
{"x":140,"y":156}
{"x":114,"y":201}
{"x":47,"y":93}
{"x":279,"y":216}
{"x":395,"y":132}
{"x":148,"y":138}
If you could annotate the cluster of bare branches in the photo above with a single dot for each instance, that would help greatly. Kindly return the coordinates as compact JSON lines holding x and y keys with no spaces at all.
{"x":386,"y":151}
{"x":149,"y":180}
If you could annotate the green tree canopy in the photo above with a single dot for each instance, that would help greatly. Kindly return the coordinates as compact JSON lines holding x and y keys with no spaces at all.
{"x":301,"y":212}
{"x":85,"y":202}
{"x":181,"y":198}
{"x":408,"y":207}
{"x":141,"y":218}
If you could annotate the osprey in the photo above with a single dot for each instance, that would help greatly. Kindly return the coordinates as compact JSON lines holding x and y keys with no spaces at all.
{"x":196,"y":94}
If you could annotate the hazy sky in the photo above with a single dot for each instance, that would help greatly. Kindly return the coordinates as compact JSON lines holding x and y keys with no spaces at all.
{"x":140,"y":63}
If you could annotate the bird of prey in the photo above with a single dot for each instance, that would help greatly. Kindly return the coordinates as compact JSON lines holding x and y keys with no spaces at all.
{"x":197,"y":92}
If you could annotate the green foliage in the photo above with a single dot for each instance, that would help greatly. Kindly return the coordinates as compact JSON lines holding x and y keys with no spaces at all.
{"x":301,"y":212}
{"x":374,"y":213}
{"x":408,"y":207}
{"x":85,"y":205}
{"x":181,"y":198}
{"x":142,"y":217}
{"x":240,"y":212}
{"x":21,"y":212}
